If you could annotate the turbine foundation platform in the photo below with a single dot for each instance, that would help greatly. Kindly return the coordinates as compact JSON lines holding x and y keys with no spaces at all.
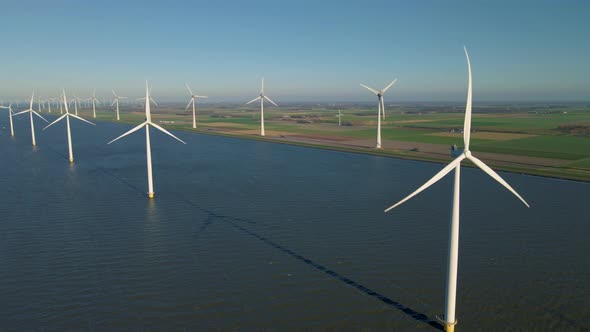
{"x":450,"y":327}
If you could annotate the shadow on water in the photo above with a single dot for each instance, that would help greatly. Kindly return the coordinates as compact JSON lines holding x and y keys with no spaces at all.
{"x":213,"y":217}
{"x":406,"y":310}
{"x":232,"y":221}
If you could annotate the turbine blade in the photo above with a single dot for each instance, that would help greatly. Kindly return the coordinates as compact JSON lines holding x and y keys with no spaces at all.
{"x":389,"y":86}
{"x":467,"y":124}
{"x":21,"y":112}
{"x":265,"y":97}
{"x":114,"y":94}
{"x":166,"y":132}
{"x":114,"y":101}
{"x":433,"y":180}
{"x":130,"y":131}
{"x":201,"y":97}
{"x":56,"y":121}
{"x":39,"y":115}
{"x":253,"y":100}
{"x":153,"y":101}
{"x":370,"y":89}
{"x":189,"y":89}
{"x":189,"y":103}
{"x":496,"y":177}
{"x":81,"y":119}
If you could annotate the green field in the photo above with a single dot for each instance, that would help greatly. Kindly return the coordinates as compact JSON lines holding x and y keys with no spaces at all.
{"x":561,"y":134}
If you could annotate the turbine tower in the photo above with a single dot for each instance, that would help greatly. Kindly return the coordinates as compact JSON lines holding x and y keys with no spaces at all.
{"x":148,"y":122}
{"x":381,"y":108}
{"x":193,"y":99}
{"x":31,"y":112}
{"x":67,"y":117}
{"x":116,"y":102}
{"x":94,"y":101}
{"x":262,"y":97}
{"x":453,"y":250}
{"x":10,"y":114}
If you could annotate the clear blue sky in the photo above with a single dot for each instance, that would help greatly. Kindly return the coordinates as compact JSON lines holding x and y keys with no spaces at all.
{"x":306,"y":50}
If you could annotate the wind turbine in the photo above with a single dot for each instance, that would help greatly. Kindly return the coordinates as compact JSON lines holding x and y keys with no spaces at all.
{"x":339,"y":116}
{"x":193,"y":97}
{"x":94,"y":100}
{"x":453,"y":250}
{"x":31,"y":112}
{"x":262,"y":97}
{"x":67,"y":117}
{"x":10,"y":114}
{"x":148,"y":122}
{"x":381,"y":108}
{"x":76,"y":101}
{"x":116,"y":101}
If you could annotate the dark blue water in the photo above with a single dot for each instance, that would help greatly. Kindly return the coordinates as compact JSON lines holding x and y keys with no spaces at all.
{"x":254,"y":236}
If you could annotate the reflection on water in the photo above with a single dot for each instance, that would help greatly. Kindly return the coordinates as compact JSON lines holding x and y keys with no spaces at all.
{"x":246,"y":235}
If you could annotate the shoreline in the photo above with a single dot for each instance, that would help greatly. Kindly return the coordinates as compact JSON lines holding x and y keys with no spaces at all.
{"x":503,"y":165}
{"x":499,"y":165}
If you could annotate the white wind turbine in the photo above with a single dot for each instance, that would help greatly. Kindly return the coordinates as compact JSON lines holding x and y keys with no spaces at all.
{"x":262,"y":97}
{"x":67,"y":117}
{"x":94,"y":101}
{"x":31,"y":112}
{"x":148,"y":122}
{"x":453,"y":250}
{"x":116,"y":102}
{"x":76,"y":101}
{"x":381,"y":108}
{"x":10,"y":114}
{"x":339,"y":116}
{"x":193,"y":100}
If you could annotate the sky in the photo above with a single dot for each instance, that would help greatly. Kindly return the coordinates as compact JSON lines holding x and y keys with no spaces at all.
{"x":305,"y":50}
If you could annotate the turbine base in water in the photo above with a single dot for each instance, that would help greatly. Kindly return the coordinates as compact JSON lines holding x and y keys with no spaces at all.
{"x":151,"y":195}
{"x":450,"y":327}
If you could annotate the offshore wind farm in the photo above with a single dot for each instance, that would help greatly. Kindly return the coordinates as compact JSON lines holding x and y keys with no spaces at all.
{"x":280,"y":218}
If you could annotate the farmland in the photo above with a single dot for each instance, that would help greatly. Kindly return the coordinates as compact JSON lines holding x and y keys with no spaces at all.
{"x":547,"y":140}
